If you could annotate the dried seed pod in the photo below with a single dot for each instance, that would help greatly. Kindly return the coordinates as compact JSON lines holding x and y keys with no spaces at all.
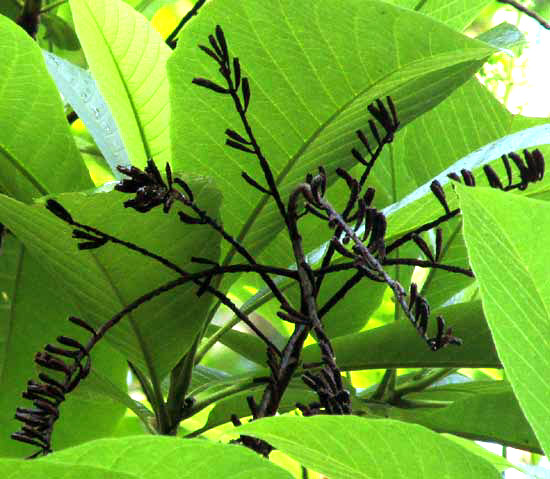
{"x":190,"y":220}
{"x":468,"y":177}
{"x":239,"y":146}
{"x":454,"y":177}
{"x":216,"y":47}
{"x":523,"y":172}
{"x":235,"y":136}
{"x":210,"y":53}
{"x":222,"y":42}
{"x":245,"y":88}
{"x":369,"y":196}
{"x":375,"y":133}
{"x":359,"y":157}
{"x":83,"y":324}
{"x":252,"y":182}
{"x":492,"y":178}
{"x":58,"y":210}
{"x":508,"y":168}
{"x":185,"y":187}
{"x":393,"y":112}
{"x":204,"y":82}
{"x":531,"y":166}
{"x":539,"y":161}
{"x":437,"y":190}
{"x":438,"y":244}
{"x":237,"y":73}
{"x":364,"y":140}
{"x":424,"y":247}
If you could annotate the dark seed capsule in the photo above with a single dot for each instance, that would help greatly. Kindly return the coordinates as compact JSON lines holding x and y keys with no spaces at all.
{"x":531,"y":165}
{"x":210,"y":85}
{"x":539,"y":160}
{"x":235,"y":136}
{"x":438,"y":192}
{"x":492,"y":177}
{"x":216,"y":47}
{"x":508,"y":168}
{"x":82,"y":324}
{"x":359,"y":157}
{"x":374,"y":130}
{"x":221,"y":41}
{"x":364,"y":140}
{"x":245,"y":88}
{"x":438,"y":243}
{"x":58,"y":210}
{"x":468,"y":177}
{"x":210,"y":53}
{"x":454,"y":177}
{"x":238,"y":146}
{"x":237,"y":73}
{"x":190,"y":220}
{"x":185,"y":187}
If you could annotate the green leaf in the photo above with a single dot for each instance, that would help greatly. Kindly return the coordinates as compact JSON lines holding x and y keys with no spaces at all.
{"x":105,"y":280}
{"x":19,"y":469}
{"x":505,"y":239}
{"x":248,"y":345}
{"x":33,"y":312}
{"x":310,"y":91}
{"x":362,"y":350}
{"x":60,"y":32}
{"x":37,"y":152}
{"x":127,"y":58}
{"x":381,"y":448}
{"x":159,"y":457}
{"x":501,"y":463}
{"x":493,"y":416}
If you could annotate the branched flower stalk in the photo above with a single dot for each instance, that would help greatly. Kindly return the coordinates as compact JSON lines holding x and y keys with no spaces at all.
{"x":358,"y":239}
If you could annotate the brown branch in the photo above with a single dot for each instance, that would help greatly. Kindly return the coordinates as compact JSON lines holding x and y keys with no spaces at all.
{"x":522,"y":8}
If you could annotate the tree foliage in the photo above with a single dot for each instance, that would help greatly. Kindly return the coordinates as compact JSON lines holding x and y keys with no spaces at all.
{"x":328,"y":176}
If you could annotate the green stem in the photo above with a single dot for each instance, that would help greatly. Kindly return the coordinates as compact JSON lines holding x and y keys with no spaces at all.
{"x":423,"y":383}
{"x":382,"y":389}
{"x":236,"y":388}
{"x":53,"y":5}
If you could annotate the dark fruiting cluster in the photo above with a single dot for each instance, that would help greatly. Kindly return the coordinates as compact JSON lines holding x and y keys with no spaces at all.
{"x":531,"y":170}
{"x":359,"y":236}
{"x":70,"y":360}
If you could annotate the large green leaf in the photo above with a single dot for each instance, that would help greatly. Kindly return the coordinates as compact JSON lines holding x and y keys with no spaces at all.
{"x":19,"y":469}
{"x":37,"y":152}
{"x":506,"y":241}
{"x":104,"y":281}
{"x":484,"y":411}
{"x":160,"y":457}
{"x":310,"y":89}
{"x":342,"y":447}
{"x":127,"y":58}
{"x":398,"y":345}
{"x":33,"y":312}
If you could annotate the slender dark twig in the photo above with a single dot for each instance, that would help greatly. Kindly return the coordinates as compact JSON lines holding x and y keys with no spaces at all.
{"x":171,"y":40}
{"x":522,"y":8}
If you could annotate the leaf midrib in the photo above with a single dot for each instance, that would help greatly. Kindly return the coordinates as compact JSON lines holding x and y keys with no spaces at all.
{"x":122,"y":80}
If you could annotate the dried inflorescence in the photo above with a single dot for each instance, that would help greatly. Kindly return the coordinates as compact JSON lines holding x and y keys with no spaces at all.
{"x":359,"y":234}
{"x":70,"y":360}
